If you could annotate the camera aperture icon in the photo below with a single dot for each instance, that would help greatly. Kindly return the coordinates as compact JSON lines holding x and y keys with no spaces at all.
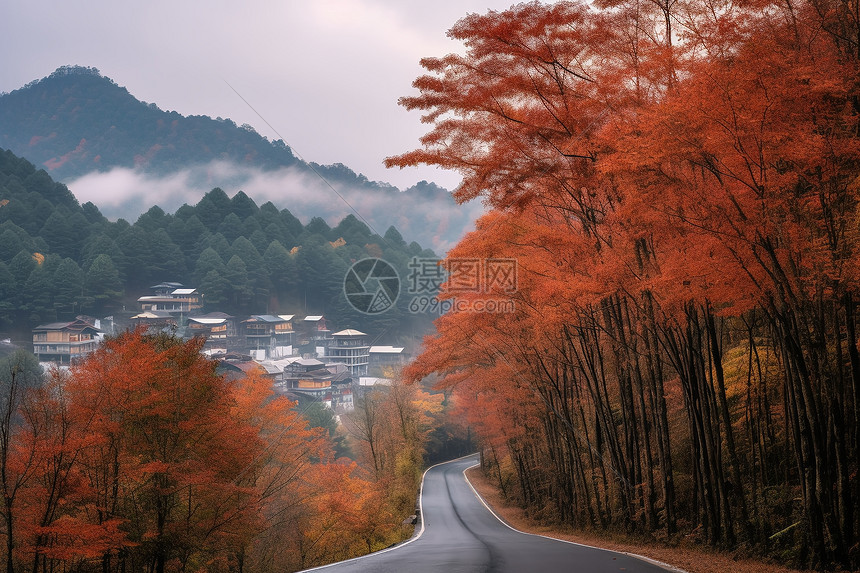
{"x":371,"y":286}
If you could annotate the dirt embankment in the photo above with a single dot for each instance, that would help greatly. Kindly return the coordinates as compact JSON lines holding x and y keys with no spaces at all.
{"x":691,"y":560}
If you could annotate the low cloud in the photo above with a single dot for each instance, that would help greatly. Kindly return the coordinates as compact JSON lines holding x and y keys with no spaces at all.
{"x":434,"y":221}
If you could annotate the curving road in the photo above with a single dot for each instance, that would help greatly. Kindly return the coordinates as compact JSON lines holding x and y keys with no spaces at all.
{"x":460,"y":535}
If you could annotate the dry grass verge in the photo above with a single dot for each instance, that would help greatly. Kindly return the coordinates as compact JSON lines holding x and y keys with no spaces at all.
{"x":692,"y":560}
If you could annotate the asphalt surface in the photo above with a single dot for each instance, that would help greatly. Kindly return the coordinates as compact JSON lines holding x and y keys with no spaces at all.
{"x":461,"y":535}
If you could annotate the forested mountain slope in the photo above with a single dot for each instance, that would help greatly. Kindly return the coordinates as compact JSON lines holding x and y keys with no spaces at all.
{"x":59,"y":258}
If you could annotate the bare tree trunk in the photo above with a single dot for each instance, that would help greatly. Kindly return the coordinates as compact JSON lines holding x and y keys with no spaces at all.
{"x":738,"y":486}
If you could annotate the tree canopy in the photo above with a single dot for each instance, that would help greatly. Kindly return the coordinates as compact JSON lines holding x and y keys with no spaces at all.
{"x":678,"y":182}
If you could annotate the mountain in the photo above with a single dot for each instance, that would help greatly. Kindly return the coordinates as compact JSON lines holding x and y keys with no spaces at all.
{"x":92,"y":134}
{"x":76,"y":121}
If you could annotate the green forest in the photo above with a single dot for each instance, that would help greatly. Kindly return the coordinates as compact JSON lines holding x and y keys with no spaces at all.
{"x":60,"y":259}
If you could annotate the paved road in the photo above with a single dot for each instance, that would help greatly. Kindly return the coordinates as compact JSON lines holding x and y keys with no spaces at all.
{"x":462,"y":536}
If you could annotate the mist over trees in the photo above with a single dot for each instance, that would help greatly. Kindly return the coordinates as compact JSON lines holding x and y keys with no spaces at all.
{"x":59,"y":259}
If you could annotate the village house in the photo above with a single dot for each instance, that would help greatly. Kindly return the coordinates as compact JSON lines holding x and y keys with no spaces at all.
{"x":171,"y":297}
{"x":267,"y":336}
{"x":154,"y":321}
{"x":218,"y":328}
{"x":314,"y":335}
{"x":65,"y":342}
{"x":386,"y":356}
{"x":312,"y":379}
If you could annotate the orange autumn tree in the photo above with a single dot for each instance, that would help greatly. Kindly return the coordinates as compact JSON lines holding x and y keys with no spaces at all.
{"x":165,"y":454}
{"x":294,"y":480}
{"x":678,"y":182}
{"x":53,"y":526}
{"x":142,"y":457}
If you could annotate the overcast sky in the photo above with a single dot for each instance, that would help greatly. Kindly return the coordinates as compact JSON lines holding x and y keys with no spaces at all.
{"x":326,"y":74}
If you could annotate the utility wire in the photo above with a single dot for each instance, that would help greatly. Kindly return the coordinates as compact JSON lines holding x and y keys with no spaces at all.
{"x":309,"y":164}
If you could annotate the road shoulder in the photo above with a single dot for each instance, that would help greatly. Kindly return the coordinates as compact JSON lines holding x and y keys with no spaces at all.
{"x":691,"y":560}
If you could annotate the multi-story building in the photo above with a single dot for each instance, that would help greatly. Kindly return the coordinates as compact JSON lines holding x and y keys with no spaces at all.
{"x":218,"y":328}
{"x":266,"y":336}
{"x":155,"y":321}
{"x":313,"y":335}
{"x":350,"y":347}
{"x":65,"y":342}
{"x":310,"y":379}
{"x":171,"y":297}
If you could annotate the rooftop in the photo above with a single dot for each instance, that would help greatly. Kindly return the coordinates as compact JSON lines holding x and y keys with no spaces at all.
{"x":265,"y":318}
{"x":75,"y":326}
{"x":213,"y":315}
{"x":153,"y":314}
{"x":168,"y":285}
{"x":349,"y":332}
{"x":206,"y":320}
{"x":386,"y":349}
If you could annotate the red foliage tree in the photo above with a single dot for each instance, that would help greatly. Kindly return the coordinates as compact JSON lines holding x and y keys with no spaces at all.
{"x":677,"y":181}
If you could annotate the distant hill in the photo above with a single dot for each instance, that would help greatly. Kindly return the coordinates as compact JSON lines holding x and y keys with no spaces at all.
{"x":83,"y":129}
{"x":76,"y":121}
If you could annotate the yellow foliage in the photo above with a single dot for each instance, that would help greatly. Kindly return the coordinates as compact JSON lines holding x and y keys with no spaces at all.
{"x":295,"y":249}
{"x":339,"y":243}
{"x":736,"y":368}
{"x":39,"y":258}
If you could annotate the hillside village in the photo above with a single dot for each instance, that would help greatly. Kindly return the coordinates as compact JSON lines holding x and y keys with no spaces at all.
{"x":302,"y":356}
